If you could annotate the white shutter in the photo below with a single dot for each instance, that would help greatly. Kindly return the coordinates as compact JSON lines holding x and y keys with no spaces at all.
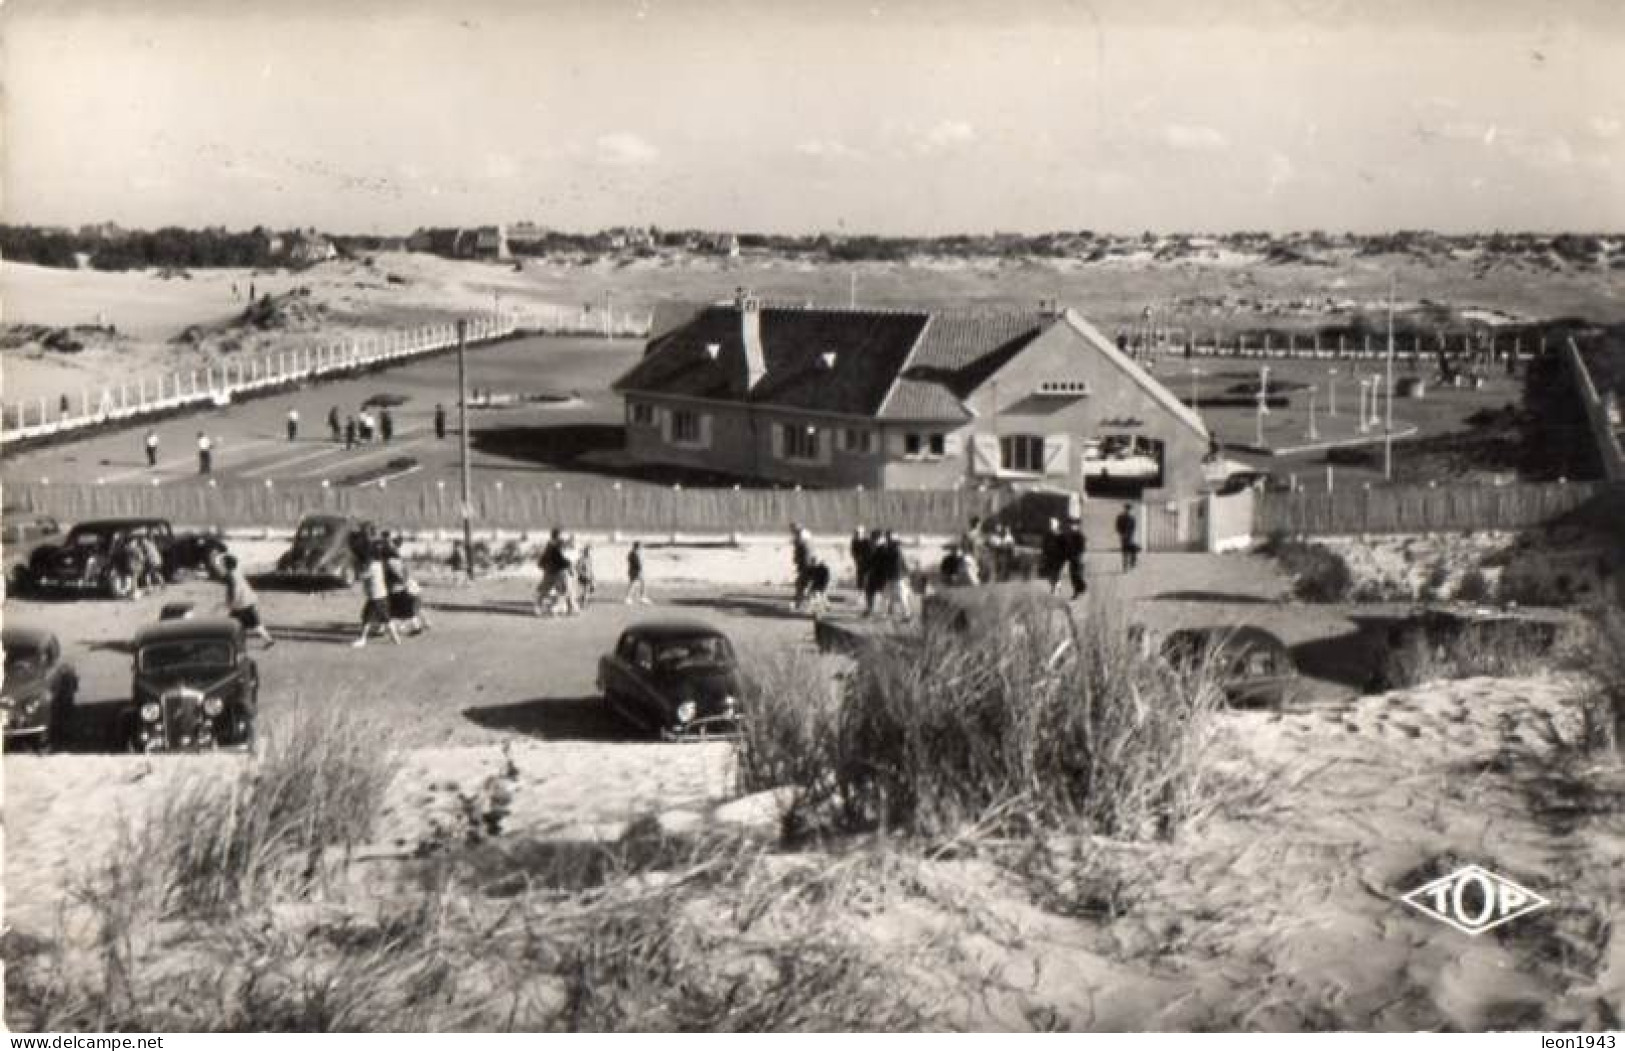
{"x":984,"y":454}
{"x":1056,"y":447}
{"x":950,"y":445}
{"x":826,"y":443}
{"x":899,"y":443}
{"x":705,"y":430}
{"x":776,"y":431}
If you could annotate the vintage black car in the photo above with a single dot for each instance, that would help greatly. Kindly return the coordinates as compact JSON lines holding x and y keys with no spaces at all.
{"x":979,"y":609}
{"x":194,"y":687}
{"x":36,"y":700}
{"x":325,"y":553}
{"x":21,"y":533}
{"x":676,"y":678}
{"x":87,"y":558}
{"x":1254,"y":668}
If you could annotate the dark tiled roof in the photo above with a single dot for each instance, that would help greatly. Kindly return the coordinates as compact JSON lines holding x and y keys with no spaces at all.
{"x":891,"y":364}
{"x":870,"y":348}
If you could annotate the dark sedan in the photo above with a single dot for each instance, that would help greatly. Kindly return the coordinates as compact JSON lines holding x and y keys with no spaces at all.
{"x":194,"y":687}
{"x":1253,"y":667}
{"x":677,"y":678}
{"x":325,"y":552}
{"x":39,"y":688}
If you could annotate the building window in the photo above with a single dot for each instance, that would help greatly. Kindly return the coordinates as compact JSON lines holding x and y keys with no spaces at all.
{"x":858,"y":440}
{"x":643,"y":415}
{"x":925,"y":446}
{"x":800,"y":443}
{"x":685,"y":427}
{"x":1023,"y":453}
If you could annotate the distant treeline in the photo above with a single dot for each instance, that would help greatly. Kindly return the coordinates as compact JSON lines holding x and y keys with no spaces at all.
{"x":169,"y":246}
{"x":110,"y":248}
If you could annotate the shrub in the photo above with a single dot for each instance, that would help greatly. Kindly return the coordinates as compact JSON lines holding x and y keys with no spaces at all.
{"x":1027,"y":724}
{"x":1318,"y":573}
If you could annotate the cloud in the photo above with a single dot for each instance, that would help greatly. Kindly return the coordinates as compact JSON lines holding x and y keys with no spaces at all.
{"x":1604,"y":127}
{"x":1193,"y":137}
{"x":946,"y":135}
{"x":624,"y":149}
{"x":827,"y":149}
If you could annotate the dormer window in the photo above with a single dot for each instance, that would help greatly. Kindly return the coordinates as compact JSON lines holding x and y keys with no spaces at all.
{"x":1063,"y":389}
{"x":712,"y":350}
{"x":828,"y":358}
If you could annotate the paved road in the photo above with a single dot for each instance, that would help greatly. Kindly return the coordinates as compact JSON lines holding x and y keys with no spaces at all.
{"x":251,"y":442}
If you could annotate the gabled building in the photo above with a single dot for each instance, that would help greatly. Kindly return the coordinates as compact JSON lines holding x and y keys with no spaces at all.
{"x":904,"y":399}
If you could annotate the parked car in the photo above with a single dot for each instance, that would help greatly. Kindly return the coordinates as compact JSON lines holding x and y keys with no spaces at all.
{"x":36,"y":700}
{"x":86,"y":558}
{"x":1254,"y":667}
{"x":193,"y":687}
{"x":325,"y":552}
{"x":21,"y":532}
{"x":677,"y":678}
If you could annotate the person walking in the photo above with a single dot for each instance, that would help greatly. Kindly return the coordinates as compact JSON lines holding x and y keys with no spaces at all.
{"x":874,"y":572}
{"x":293,"y":425}
{"x":349,"y":433}
{"x":152,"y":561}
{"x":152,"y":449}
{"x":405,"y":602}
{"x":1003,"y":545}
{"x":334,"y":425}
{"x":241,"y":602}
{"x":551,"y":564}
{"x":1127,"y":527}
{"x":586,"y":583}
{"x":896,"y":576}
{"x":569,"y":561}
{"x":1076,"y":545}
{"x":364,"y":422}
{"x":129,"y":565}
{"x":205,"y":454}
{"x":440,"y":422}
{"x":375,"y":610}
{"x":800,"y":559}
{"x":860,"y":549}
{"x":636,"y":588}
{"x":1052,"y":555}
{"x":386,"y":424}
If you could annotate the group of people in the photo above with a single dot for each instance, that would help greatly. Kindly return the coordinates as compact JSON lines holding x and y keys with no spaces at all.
{"x":569,"y":582}
{"x":138,"y":565}
{"x":391,"y":595}
{"x":361,"y":427}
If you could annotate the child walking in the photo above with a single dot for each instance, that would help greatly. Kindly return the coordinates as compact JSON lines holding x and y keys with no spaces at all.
{"x":375,"y":613}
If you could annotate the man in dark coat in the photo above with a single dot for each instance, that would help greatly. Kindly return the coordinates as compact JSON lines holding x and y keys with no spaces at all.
{"x":861,"y":549}
{"x":1126,"y":528}
{"x":1052,"y":555}
{"x":1075,"y":545}
{"x":874,"y":571}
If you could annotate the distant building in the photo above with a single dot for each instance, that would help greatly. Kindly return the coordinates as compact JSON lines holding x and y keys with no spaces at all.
{"x":306,"y":247}
{"x":904,"y":399}
{"x":526,"y":233}
{"x":726,"y":245}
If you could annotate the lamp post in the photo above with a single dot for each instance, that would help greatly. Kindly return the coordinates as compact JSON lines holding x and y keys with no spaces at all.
{"x":1331,"y":409}
{"x":1313,"y":432}
{"x":1365,"y":425}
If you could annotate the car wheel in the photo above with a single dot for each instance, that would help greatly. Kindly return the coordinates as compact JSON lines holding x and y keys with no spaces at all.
{"x":20,"y":581}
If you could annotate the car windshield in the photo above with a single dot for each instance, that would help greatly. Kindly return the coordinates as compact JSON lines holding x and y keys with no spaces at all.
{"x":187,"y":653}
{"x":315,"y":531}
{"x":87,"y":538}
{"x":700,"y":651}
{"x":22,"y":660}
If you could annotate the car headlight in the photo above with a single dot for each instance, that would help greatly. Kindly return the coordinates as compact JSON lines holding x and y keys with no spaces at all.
{"x":213,"y":706}
{"x":730,"y":702}
{"x":686,"y":711}
{"x":150,"y":711}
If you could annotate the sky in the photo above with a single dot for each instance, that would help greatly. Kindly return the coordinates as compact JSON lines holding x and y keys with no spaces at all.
{"x":859,"y":116}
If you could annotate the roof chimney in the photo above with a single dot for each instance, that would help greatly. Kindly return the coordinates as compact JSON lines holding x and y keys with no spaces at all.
{"x":750,"y":333}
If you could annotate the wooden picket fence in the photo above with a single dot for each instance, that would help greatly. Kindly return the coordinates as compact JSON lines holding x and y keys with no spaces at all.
{"x":1420,"y":508}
